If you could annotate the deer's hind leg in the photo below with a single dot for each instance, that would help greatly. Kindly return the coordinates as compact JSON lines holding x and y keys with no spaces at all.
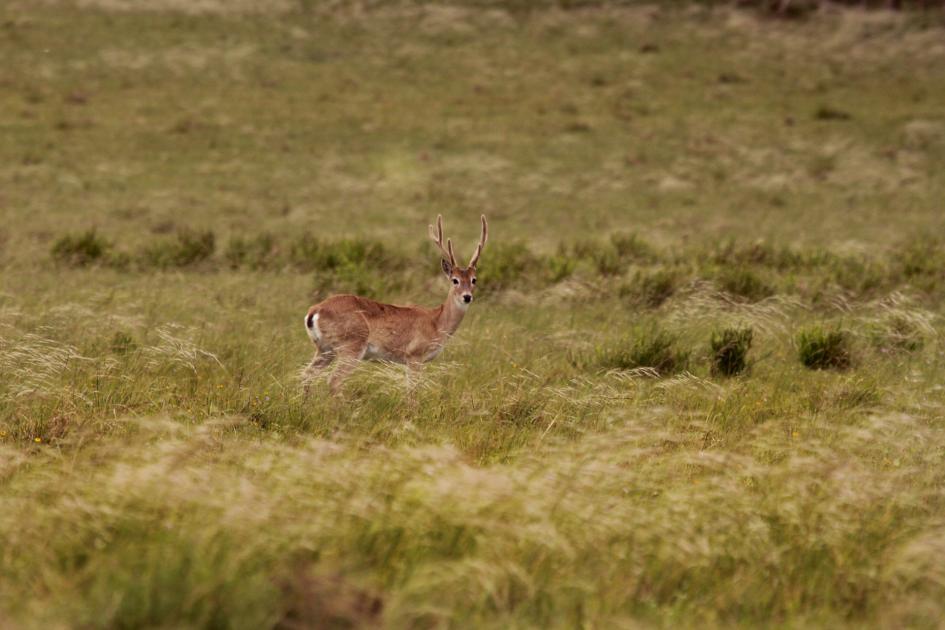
{"x":348,"y":358}
{"x":322,"y":359}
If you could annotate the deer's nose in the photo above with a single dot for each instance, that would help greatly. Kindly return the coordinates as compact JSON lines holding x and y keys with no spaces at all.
{"x":467,"y":298}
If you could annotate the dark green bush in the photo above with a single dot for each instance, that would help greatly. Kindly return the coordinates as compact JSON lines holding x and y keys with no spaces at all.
{"x":820,"y":349}
{"x":369,"y":282}
{"x":188,"y":248}
{"x":80,"y":250}
{"x":510,"y":266}
{"x":729,"y":348}
{"x":649,"y":348}
{"x":311,"y":254}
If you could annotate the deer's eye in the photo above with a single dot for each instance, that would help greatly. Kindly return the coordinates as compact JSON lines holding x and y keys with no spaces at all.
{"x":474,"y":281}
{"x":455,"y":280}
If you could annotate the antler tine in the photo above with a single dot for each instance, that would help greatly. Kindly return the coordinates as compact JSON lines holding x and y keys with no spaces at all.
{"x":436,"y":235}
{"x":482,"y":241}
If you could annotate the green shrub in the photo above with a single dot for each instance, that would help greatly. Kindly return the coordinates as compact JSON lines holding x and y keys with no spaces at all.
{"x":602,"y":257}
{"x":632,"y":247}
{"x":650,"y":348}
{"x":611,"y":258}
{"x":859,"y":275}
{"x":650,"y":288}
{"x":729,"y":348}
{"x":188,"y":248}
{"x":560,"y":267}
{"x":80,"y":250}
{"x":258,"y":252}
{"x":744,"y":283}
{"x":922,"y":262}
{"x":731,"y":253}
{"x":356,"y":279}
{"x":820,"y":349}
{"x":510,"y":266}
{"x":607,"y":262}
{"x":311,"y":254}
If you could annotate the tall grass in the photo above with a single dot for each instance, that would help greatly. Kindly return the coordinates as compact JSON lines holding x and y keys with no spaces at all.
{"x":660,"y":217}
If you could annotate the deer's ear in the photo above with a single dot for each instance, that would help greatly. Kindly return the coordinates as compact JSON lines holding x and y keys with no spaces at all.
{"x":447,"y":267}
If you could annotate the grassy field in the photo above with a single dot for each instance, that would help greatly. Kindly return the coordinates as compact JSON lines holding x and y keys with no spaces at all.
{"x":703,"y":383}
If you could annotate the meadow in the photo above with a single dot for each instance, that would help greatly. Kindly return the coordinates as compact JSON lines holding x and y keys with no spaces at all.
{"x":702,"y":384}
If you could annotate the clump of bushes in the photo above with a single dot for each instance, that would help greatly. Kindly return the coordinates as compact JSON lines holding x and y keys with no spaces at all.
{"x":255,"y":253}
{"x":612,"y":257}
{"x":351,"y":265}
{"x":312,"y":254}
{"x":560,"y":267}
{"x":88,"y":248}
{"x":729,"y":349}
{"x":732,"y":253}
{"x":188,"y":248}
{"x":80,"y":250}
{"x":819,"y":348}
{"x":508,"y":264}
{"x":859,"y":275}
{"x":649,"y":348}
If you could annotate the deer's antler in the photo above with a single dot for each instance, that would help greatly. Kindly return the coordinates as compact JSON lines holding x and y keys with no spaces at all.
{"x":482,"y":241}
{"x":436,"y":235}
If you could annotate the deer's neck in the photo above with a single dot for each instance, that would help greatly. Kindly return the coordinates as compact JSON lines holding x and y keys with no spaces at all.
{"x":449,"y":316}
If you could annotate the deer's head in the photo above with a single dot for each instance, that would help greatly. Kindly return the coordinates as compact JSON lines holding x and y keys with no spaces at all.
{"x":463,"y":280}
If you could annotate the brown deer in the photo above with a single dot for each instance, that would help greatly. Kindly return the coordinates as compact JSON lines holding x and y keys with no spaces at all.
{"x":351,"y":328}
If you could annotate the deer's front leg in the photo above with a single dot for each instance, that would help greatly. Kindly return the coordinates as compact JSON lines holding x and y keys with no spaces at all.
{"x":413,"y":369}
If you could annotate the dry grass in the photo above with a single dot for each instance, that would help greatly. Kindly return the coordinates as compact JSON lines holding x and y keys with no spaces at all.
{"x":159,"y":466}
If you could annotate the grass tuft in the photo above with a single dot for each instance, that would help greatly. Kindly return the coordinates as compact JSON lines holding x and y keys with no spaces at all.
{"x":819,"y":348}
{"x":896,"y":333}
{"x":652,"y":348}
{"x":744,"y":283}
{"x":187,"y":249}
{"x":650,"y":288}
{"x":80,"y":250}
{"x":254,"y":253}
{"x":729,"y":349}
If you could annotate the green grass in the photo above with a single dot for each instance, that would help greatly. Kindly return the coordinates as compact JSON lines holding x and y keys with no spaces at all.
{"x":177,"y":187}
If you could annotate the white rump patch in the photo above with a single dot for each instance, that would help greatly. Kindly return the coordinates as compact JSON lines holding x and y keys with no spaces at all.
{"x":313,"y":332}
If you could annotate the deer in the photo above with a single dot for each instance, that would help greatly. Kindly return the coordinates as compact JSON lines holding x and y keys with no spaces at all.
{"x":350,"y":328}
